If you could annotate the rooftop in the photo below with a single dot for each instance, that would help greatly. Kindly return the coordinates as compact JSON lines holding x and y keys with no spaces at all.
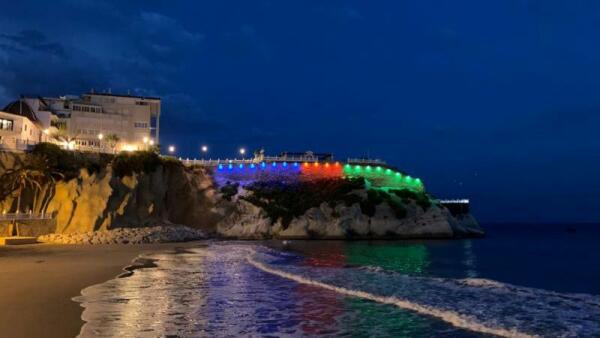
{"x":20,"y":107}
{"x":123,"y":95}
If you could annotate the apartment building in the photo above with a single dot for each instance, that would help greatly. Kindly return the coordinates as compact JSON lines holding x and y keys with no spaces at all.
{"x":89,"y":121}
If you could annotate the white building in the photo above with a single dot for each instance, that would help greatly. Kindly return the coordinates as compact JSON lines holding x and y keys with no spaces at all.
{"x":21,"y":128}
{"x":87,"y":122}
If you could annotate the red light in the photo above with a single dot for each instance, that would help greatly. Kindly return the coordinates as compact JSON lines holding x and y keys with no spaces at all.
{"x":326,"y":165}
{"x":316,"y":164}
{"x":337,"y":164}
{"x":305,"y":164}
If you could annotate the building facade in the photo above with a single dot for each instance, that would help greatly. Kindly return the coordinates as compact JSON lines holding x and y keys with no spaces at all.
{"x":20,"y":128}
{"x":100,"y":122}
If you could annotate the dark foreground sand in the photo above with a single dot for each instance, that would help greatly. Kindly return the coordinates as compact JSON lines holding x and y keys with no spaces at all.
{"x":38,"y":281}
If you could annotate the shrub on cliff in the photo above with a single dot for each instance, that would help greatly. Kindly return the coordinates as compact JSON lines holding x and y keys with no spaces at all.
{"x":376,"y":197}
{"x":406,"y":195}
{"x":229,"y":190}
{"x":128,"y":163}
{"x":283,"y":200}
{"x":69,"y":163}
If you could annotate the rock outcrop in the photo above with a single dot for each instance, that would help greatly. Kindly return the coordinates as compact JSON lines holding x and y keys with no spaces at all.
{"x":101,"y":201}
{"x":248,"y":221}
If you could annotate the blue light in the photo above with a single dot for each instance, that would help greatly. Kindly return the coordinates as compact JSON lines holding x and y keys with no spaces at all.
{"x":230,"y":167}
{"x":295,"y":164}
{"x":263,"y":164}
{"x":274,"y":164}
{"x":241,"y":166}
{"x":285,"y":164}
{"x":252,"y":166}
{"x":220,"y":167}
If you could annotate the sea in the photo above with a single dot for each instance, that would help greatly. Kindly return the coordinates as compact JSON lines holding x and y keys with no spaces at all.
{"x":521,"y":280}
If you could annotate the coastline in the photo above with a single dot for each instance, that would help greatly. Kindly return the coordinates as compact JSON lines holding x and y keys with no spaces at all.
{"x":39,"y":281}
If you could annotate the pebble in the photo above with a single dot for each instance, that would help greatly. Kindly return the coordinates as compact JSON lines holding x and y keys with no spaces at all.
{"x":156,"y":234}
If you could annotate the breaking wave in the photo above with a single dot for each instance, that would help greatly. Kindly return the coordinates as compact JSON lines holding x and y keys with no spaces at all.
{"x":231,"y":289}
{"x":476,"y":304}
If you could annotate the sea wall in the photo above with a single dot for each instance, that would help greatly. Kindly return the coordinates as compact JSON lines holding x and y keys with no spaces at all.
{"x":378,"y":176}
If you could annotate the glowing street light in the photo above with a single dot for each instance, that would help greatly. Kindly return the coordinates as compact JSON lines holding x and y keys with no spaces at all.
{"x":204,"y":149}
{"x":100,"y":136}
{"x":145,"y":139}
{"x":242,"y":151}
{"x":171,"y":149}
{"x":151,"y":142}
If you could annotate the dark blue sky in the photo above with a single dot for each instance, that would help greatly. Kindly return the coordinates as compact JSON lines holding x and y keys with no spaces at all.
{"x":498,"y":101}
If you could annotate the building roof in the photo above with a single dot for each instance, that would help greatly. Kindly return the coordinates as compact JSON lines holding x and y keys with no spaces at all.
{"x":124,"y":95}
{"x":20,"y":107}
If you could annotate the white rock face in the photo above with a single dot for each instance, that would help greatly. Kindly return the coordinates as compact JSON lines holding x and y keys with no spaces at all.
{"x":250,"y":222}
{"x":157,"y":234}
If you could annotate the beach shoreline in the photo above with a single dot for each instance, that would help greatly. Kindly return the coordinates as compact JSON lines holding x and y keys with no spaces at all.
{"x":39,"y":281}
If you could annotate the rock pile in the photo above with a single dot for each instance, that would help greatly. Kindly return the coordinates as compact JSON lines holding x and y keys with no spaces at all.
{"x":157,"y":234}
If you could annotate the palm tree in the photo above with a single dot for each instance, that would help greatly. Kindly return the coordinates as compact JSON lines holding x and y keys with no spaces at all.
{"x":65,"y":137}
{"x":32,"y":175}
{"x":112,"y":140}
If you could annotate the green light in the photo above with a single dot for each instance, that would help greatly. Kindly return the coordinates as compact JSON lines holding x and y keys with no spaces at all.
{"x":378,"y":168}
{"x":357,"y":168}
{"x":369,"y":168}
{"x":388,"y":171}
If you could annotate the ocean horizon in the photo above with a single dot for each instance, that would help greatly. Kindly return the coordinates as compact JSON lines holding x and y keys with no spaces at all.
{"x":520,"y":280}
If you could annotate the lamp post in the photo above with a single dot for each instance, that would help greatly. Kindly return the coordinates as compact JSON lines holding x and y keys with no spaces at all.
{"x":204,"y":150}
{"x":171,"y":149}
{"x":242,"y":152}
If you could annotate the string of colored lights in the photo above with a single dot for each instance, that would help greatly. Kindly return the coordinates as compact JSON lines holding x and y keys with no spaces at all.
{"x":378,"y":176}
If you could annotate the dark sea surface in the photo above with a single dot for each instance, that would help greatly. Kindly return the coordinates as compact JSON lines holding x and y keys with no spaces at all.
{"x":521,"y":280}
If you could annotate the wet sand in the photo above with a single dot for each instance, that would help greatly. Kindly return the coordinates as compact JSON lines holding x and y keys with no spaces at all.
{"x":37,"y":283}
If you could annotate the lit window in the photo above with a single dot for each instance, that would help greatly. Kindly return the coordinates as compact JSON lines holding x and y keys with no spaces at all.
{"x":6,"y":124}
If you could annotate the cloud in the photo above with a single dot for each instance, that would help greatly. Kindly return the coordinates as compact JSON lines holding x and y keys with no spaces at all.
{"x":142,"y":52}
{"x":32,"y":40}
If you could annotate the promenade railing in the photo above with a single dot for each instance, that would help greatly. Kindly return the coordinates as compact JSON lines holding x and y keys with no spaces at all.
{"x":24,"y":216}
{"x":289,"y":159}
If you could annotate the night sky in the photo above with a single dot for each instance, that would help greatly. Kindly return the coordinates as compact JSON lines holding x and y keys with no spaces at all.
{"x":496,"y":101}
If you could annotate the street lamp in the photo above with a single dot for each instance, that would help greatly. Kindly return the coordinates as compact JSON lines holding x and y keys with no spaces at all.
{"x":242,"y":152}
{"x":171,"y":149}
{"x":204,"y":149}
{"x":100,"y":136}
{"x":151,"y":142}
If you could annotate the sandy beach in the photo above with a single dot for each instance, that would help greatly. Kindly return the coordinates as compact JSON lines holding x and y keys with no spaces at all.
{"x":38,"y":282}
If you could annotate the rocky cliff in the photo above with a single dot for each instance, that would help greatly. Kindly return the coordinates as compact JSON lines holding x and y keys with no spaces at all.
{"x":169,"y":193}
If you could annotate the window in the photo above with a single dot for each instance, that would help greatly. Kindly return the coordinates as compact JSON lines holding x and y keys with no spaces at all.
{"x":140,"y":125}
{"x":142,"y":103}
{"x":6,"y":124}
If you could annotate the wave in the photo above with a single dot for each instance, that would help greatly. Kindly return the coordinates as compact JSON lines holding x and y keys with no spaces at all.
{"x":229,"y":289}
{"x":476,"y":304}
{"x":453,"y":318}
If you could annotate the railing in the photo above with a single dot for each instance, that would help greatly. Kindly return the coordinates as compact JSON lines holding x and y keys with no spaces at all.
{"x":365,"y":161}
{"x":454,"y":201}
{"x":215,"y":162}
{"x":23,"y":216}
{"x":299,"y":159}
